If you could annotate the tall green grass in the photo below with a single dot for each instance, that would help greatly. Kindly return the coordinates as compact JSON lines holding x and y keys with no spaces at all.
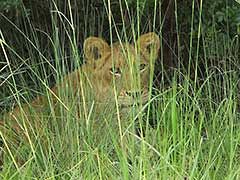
{"x":189,"y":130}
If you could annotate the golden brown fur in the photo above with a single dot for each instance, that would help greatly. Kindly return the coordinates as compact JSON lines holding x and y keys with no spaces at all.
{"x":121,"y":71}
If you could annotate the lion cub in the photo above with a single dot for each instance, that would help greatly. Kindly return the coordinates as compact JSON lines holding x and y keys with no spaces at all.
{"x":115,"y":75}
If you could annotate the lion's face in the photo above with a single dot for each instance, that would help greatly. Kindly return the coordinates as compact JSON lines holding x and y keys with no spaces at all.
{"x":123,"y":70}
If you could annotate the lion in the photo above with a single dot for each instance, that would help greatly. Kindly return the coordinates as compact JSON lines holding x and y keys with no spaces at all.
{"x":113,"y":75}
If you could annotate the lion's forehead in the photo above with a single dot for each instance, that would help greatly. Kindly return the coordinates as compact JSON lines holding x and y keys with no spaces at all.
{"x":123,"y":53}
{"x":123,"y":48}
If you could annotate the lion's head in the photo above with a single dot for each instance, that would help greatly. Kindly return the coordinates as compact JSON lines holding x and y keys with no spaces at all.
{"x":123,"y":66}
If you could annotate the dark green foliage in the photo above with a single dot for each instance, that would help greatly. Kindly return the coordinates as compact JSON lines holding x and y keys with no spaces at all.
{"x":9,"y":5}
{"x":224,"y":15}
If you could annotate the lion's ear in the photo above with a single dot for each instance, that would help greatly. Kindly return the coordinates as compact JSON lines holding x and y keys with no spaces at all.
{"x":149,"y":45}
{"x":95,"y":49}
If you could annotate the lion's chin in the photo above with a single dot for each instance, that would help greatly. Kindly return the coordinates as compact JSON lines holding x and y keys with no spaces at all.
{"x":133,"y":101}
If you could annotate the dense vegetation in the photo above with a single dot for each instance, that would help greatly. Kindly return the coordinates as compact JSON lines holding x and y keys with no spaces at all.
{"x":191,"y":127}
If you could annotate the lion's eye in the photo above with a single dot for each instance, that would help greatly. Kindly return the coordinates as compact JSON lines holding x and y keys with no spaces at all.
{"x":142,"y":67}
{"x":115,"y":71}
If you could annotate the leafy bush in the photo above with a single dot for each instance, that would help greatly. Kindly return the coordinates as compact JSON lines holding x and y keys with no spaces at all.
{"x":8,"y":5}
{"x":226,"y":17}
